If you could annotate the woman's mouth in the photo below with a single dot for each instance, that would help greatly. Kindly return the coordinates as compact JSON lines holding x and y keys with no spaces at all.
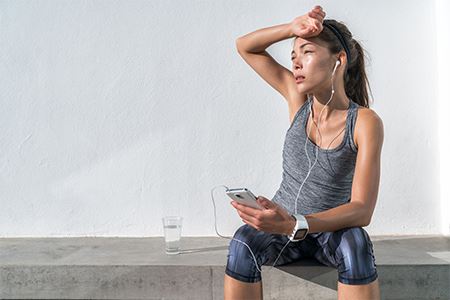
{"x":299,"y":79}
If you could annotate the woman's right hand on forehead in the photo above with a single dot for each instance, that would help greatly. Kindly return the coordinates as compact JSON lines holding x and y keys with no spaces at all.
{"x":310,"y":24}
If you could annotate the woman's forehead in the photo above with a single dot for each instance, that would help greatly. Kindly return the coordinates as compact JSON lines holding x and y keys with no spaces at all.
{"x":313,"y":41}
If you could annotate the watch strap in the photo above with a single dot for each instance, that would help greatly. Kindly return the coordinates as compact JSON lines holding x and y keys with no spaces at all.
{"x":300,"y":224}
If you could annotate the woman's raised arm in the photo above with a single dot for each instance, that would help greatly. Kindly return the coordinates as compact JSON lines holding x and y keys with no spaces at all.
{"x":252,"y":48}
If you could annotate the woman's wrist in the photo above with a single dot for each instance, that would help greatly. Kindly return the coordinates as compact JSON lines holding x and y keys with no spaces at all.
{"x":290,"y":30}
{"x":290,"y":225}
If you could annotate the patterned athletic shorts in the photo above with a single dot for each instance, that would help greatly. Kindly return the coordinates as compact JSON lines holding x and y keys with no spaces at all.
{"x":349,"y":250}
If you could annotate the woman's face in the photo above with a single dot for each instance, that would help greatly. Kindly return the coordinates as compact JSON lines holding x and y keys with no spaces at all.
{"x":312,"y":65}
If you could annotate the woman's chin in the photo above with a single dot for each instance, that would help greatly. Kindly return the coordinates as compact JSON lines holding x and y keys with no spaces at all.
{"x":303,"y":89}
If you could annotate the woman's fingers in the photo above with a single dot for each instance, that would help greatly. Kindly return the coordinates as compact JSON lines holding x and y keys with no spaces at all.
{"x":308,"y":24}
{"x":315,"y":15}
{"x":251,"y":220}
{"x":322,"y":15}
{"x":317,"y":23}
{"x":312,"y":14}
{"x":317,"y":9}
{"x":318,"y":12}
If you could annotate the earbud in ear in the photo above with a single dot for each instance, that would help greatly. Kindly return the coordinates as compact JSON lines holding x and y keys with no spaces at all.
{"x":338,"y":62}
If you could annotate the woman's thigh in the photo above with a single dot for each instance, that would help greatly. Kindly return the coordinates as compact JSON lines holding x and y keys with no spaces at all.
{"x":350,"y":250}
{"x":266,"y":248}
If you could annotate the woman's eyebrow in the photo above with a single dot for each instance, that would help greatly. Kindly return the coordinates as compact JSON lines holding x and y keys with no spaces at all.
{"x":307,"y":43}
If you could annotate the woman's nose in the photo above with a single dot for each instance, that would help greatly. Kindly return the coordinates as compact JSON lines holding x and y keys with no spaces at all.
{"x":298,"y":66}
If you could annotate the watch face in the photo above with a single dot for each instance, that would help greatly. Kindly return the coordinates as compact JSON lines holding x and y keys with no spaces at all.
{"x":300,"y":234}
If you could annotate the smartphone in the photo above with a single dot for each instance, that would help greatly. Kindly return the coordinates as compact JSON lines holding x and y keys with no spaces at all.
{"x":243,"y":196}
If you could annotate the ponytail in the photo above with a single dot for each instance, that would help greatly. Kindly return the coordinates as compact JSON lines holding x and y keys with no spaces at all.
{"x":355,"y":79}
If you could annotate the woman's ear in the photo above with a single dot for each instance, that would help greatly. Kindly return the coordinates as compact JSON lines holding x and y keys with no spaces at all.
{"x":343,"y":58}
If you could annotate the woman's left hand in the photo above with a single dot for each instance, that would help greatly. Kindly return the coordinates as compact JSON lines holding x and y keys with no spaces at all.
{"x":272,"y":219}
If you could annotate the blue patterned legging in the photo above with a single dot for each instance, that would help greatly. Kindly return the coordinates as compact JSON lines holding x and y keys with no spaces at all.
{"x":350,"y":250}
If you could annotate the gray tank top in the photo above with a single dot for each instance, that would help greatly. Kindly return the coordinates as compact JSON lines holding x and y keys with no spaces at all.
{"x":329,"y":183}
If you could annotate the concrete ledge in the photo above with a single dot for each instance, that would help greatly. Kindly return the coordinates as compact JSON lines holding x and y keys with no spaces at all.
{"x":137,"y":268}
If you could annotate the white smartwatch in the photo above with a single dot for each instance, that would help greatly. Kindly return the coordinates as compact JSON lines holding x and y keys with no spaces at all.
{"x":300,"y":230}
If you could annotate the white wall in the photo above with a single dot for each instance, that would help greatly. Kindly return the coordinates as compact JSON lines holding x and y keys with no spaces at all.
{"x":115,"y":113}
{"x":442,"y":9}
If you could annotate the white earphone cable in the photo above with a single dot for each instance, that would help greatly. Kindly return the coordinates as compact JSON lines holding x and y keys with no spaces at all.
{"x":298,"y":193}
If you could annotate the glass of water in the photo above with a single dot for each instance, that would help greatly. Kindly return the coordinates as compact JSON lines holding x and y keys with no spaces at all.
{"x":172,"y":233}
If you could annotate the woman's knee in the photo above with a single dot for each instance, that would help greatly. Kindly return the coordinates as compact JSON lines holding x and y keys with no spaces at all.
{"x":357,"y":260}
{"x":241,"y":263}
{"x":248,"y":235}
{"x":244,"y":232}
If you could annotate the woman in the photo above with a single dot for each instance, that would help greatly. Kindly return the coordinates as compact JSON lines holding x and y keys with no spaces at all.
{"x":339,"y":190}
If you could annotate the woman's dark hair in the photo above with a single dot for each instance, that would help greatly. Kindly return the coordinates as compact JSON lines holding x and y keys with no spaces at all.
{"x":355,"y":78}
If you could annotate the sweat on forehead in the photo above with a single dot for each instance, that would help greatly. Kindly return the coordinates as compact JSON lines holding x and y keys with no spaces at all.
{"x":300,"y":43}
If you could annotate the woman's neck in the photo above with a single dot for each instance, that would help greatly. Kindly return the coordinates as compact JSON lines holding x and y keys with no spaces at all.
{"x":339,"y":102}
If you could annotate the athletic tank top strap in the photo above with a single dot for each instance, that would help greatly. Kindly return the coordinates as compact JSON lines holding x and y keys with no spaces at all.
{"x":351,"y":121}
{"x":301,"y":111}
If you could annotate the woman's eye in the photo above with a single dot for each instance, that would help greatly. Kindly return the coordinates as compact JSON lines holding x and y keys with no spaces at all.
{"x":307,"y":51}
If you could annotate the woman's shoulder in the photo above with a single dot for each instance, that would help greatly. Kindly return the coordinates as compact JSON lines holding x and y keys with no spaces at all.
{"x":366,"y":114}
{"x":368,"y":124}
